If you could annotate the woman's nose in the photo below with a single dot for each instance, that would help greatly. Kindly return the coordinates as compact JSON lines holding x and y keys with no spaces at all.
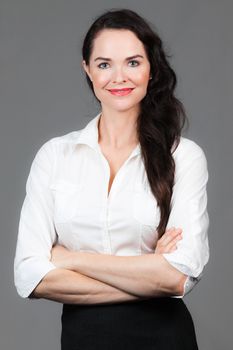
{"x":119,"y":75}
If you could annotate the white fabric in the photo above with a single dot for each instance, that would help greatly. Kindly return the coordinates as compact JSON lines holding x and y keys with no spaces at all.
{"x":67,"y":203}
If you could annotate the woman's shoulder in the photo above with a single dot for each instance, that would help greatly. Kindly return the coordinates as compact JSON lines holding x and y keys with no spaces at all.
{"x":188,"y":150}
{"x":69,"y":138}
{"x":64,"y":140}
{"x":187,"y":145}
{"x":58,"y":145}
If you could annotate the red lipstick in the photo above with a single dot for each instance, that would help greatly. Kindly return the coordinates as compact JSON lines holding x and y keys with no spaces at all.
{"x":121,"y":92}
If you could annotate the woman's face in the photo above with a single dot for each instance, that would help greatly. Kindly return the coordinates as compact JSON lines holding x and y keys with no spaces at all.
{"x":118,"y":61}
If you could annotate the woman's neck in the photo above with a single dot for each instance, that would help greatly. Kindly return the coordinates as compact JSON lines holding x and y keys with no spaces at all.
{"x":117,"y":130}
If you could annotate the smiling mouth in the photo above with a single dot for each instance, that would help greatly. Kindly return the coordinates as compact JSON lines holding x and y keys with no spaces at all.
{"x":121,"y":92}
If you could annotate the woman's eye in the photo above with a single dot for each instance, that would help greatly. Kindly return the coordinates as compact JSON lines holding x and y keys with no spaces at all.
{"x":134,"y":64}
{"x":100,"y":65}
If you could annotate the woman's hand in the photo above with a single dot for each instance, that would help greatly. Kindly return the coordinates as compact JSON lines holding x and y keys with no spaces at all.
{"x":61,"y":257}
{"x":167,"y":243}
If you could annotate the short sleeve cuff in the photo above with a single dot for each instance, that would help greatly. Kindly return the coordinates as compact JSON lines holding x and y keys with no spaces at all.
{"x":189,"y":284}
{"x":183,"y":264}
{"x":28,"y":276}
{"x":193,"y":276}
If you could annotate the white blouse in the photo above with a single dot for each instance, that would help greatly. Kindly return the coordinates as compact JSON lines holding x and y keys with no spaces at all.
{"x":67,"y":203}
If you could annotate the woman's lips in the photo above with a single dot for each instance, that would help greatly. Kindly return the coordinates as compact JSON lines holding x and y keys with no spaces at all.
{"x":121,"y":92}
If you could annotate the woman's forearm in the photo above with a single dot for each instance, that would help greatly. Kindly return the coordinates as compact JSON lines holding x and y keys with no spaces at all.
{"x":71,"y":287}
{"x":148,"y":275}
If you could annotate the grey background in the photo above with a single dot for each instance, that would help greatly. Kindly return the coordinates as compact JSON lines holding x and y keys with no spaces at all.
{"x":44,"y":94}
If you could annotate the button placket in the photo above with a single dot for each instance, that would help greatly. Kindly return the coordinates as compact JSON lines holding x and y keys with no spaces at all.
{"x":110,"y":196}
{"x":106,"y":239}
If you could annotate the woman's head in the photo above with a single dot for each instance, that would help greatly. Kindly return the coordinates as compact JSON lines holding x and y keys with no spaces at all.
{"x":119,"y":34}
{"x":118,"y":60}
{"x":116,"y":35}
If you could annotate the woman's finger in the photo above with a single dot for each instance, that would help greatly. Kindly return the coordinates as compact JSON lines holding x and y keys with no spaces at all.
{"x":169,"y":236}
{"x":167,"y":249}
{"x":170,"y":246}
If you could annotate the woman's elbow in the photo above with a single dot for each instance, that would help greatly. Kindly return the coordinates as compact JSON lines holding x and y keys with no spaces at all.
{"x":170,"y":280}
{"x":180,"y":283}
{"x":43,"y":287}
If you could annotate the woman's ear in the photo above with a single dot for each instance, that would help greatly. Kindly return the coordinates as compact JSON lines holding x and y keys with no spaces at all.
{"x":86,"y":68}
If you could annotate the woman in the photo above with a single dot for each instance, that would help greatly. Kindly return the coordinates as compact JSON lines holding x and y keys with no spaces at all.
{"x":114,"y":223}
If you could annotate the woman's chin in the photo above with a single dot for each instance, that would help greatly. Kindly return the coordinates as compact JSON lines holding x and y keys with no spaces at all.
{"x":121,"y":107}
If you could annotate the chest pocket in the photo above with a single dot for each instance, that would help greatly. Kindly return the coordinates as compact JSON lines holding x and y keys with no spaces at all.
{"x":145,"y":208}
{"x":67,"y":200}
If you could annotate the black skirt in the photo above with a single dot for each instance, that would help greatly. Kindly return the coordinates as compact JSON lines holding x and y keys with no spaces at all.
{"x":153,"y":324}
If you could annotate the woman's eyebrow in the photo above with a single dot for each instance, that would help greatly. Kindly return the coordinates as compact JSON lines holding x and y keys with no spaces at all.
{"x":109,"y":59}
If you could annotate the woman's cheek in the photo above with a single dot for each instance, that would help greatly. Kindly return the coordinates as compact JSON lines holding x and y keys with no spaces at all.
{"x":100,"y":79}
{"x":141,"y":77}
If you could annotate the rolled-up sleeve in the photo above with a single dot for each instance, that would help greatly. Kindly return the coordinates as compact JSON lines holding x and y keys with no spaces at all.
{"x":36,"y":232}
{"x":189,"y":212}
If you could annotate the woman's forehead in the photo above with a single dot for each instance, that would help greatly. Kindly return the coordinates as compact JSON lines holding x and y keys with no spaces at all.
{"x":110,"y":43}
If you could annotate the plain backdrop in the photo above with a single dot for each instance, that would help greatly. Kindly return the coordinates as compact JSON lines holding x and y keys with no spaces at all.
{"x":44,"y":94}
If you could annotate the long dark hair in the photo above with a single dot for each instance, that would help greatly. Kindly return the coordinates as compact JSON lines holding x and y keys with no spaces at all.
{"x":162,"y":115}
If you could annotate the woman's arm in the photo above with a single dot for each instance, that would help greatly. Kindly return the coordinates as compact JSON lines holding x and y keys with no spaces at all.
{"x":70,"y":287}
{"x":147,"y":275}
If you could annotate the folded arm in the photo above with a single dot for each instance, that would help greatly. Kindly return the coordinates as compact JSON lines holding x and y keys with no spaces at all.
{"x":64,"y":286}
{"x":148,"y":275}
